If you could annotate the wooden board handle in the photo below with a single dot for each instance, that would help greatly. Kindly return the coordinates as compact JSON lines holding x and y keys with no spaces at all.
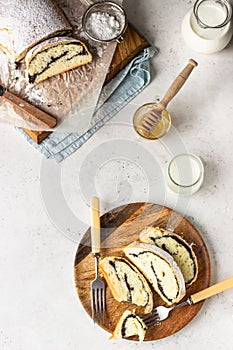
{"x":176,"y":85}
{"x":34,"y":113}
{"x":95,"y":226}
{"x":213,"y":290}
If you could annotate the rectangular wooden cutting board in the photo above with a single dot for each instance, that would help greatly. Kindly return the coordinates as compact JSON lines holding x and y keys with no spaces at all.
{"x":129,"y":48}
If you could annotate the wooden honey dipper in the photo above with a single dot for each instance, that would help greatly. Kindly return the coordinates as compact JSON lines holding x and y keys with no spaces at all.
{"x":151,"y":119}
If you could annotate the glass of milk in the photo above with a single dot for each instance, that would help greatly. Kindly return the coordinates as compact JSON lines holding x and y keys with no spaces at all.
{"x":207,"y":27}
{"x":185,"y":174}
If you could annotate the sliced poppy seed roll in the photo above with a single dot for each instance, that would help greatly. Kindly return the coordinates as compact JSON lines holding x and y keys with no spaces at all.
{"x":128,"y":325}
{"x":126,"y":282}
{"x":175,"y":245}
{"x":55,"y":56}
{"x":160,"y":269}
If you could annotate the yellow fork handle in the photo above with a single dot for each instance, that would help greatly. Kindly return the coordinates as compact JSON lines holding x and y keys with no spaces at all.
{"x":95,"y":226}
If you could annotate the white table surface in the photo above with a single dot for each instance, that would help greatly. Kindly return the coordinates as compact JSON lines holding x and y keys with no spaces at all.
{"x":40,"y":229}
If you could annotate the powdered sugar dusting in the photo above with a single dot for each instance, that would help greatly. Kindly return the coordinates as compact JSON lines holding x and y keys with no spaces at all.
{"x":34,"y":95}
{"x":28,"y":23}
{"x":103,"y":26}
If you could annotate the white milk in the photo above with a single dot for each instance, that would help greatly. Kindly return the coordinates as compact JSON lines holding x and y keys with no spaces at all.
{"x":185,"y":174}
{"x":207,"y":40}
{"x":211,"y":14}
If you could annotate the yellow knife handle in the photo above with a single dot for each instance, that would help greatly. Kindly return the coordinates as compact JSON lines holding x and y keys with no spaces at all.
{"x":212,"y":290}
{"x":95,"y":226}
{"x":33,"y":113}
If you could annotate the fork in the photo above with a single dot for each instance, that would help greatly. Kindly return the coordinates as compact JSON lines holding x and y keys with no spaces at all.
{"x":161,"y":313}
{"x":97,"y":285}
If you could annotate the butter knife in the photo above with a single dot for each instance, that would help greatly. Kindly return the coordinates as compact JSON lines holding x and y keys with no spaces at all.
{"x":33,"y":113}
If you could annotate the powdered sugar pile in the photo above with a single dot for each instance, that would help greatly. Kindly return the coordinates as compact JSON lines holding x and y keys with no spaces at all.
{"x":103,"y":26}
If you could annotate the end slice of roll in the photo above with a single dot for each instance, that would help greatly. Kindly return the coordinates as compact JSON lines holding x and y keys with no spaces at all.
{"x":55,"y":56}
{"x":128,"y":325}
{"x":160,"y":269}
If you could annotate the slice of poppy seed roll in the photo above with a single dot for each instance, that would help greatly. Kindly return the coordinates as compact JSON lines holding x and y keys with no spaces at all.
{"x":55,"y":56}
{"x":175,"y":245}
{"x":126,"y":282}
{"x":128,"y":325}
{"x":160,"y":269}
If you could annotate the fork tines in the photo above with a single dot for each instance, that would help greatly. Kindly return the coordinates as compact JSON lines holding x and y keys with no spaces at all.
{"x":98,"y":303}
{"x":150,"y":319}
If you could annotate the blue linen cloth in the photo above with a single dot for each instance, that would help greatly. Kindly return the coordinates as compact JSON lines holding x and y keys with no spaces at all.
{"x":114,"y":96}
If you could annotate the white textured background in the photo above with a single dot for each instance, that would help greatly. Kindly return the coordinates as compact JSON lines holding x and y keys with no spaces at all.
{"x":39,"y":308}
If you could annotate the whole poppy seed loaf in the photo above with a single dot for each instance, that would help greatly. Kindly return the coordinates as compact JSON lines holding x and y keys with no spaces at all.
{"x":24,"y":24}
{"x":126,"y":282}
{"x":175,"y":245}
{"x":160,"y":269}
{"x":128,"y":325}
{"x":55,"y":56}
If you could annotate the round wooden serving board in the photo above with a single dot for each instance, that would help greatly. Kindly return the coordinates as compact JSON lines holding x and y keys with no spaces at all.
{"x":121,"y":227}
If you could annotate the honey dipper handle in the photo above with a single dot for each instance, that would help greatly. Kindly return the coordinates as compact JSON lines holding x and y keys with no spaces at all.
{"x":177,"y":84}
{"x":213,"y":290}
{"x":33,"y":113}
{"x":95,"y":226}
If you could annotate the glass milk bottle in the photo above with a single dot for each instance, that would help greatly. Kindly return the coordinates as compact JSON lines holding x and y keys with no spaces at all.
{"x":207,"y":27}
